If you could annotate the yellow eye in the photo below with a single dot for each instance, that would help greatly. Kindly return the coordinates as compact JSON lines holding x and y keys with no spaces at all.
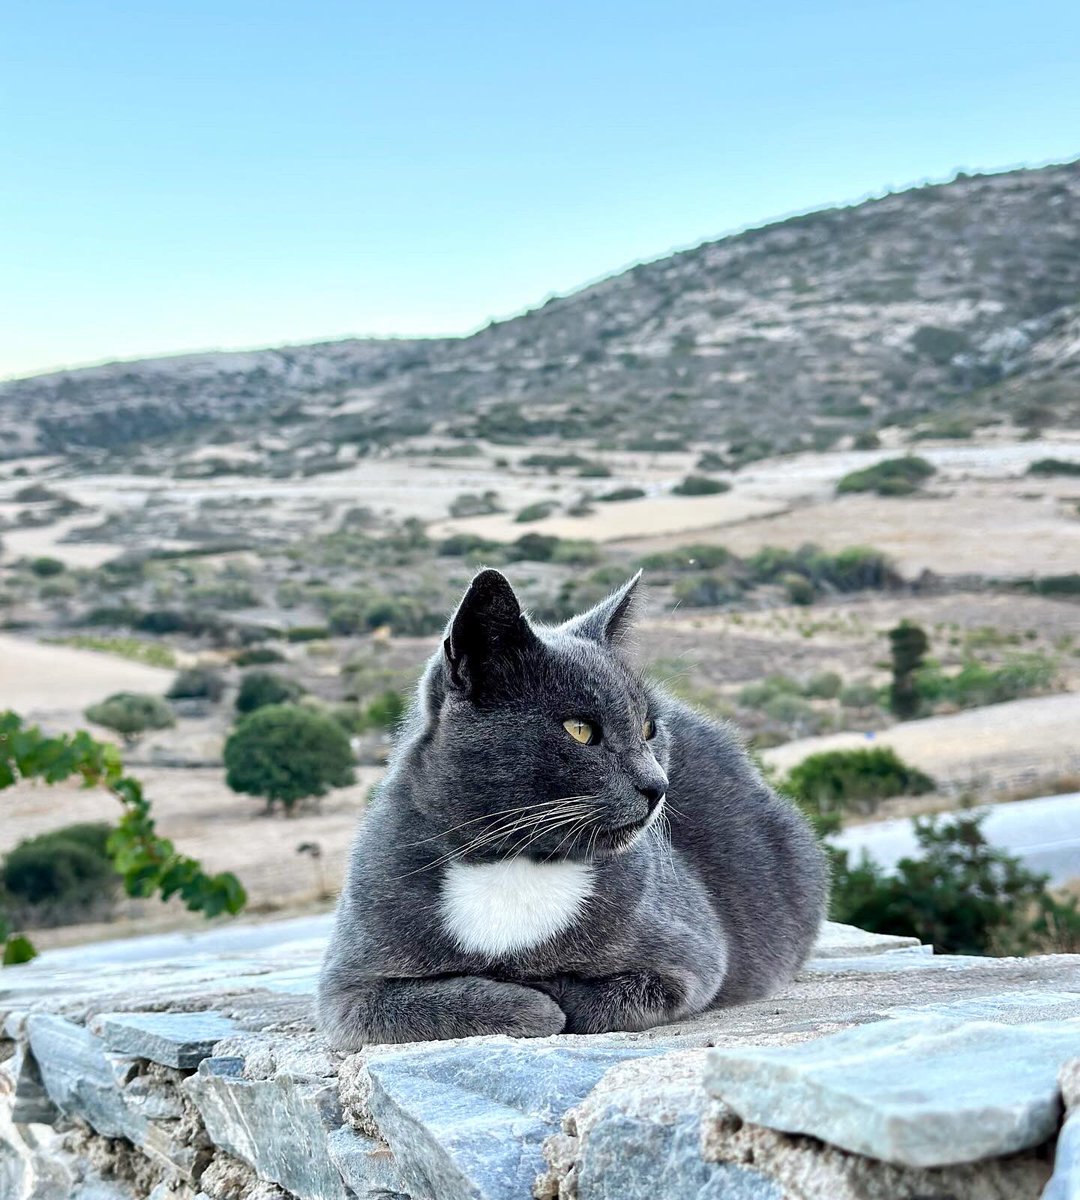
{"x":648,"y":730}
{"x":581,"y":731}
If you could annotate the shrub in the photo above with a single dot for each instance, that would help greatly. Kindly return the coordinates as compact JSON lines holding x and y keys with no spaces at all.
{"x":45,"y":567}
{"x":131,"y":713}
{"x":859,"y":695}
{"x":976,"y":684}
{"x":960,"y":895}
{"x":68,"y":869}
{"x":259,"y":689}
{"x":576,"y":554}
{"x":307,"y":633}
{"x":868,"y":440}
{"x":469,"y":504}
{"x":825,"y":685}
{"x":465,"y":545}
{"x":384,"y":712}
{"x":623,"y":493}
{"x":1054,"y":466}
{"x":798,"y":589}
{"x":286,"y":753}
{"x":258,"y":656}
{"x":837,"y":781}
{"x":197,"y":683}
{"x":890,"y":477}
{"x":594,"y":470}
{"x":535,"y":512}
{"x":694,"y":557}
{"x":704,"y":591}
{"x":700,"y":485}
{"x":554,"y":462}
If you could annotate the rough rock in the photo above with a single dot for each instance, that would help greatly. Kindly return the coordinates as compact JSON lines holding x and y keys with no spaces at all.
{"x":200,"y":1077}
{"x":915,"y":1091}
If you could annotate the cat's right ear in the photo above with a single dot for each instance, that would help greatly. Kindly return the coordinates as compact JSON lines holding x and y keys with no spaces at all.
{"x":488,"y":630}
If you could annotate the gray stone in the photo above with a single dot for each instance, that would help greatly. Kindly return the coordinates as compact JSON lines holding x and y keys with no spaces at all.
{"x":465,"y":1125}
{"x":836,"y":940}
{"x":1009,"y":1008}
{"x":1065,"y":1182}
{"x":80,"y":1077}
{"x":366,"y":1165}
{"x":919,"y":1092}
{"x":181,"y":1039}
{"x":278,"y":1126}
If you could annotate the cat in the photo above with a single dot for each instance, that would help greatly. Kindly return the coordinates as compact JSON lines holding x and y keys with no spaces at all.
{"x":561,"y":847}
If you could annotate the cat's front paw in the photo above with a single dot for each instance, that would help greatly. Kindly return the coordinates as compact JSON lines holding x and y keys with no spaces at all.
{"x":534,"y":1014}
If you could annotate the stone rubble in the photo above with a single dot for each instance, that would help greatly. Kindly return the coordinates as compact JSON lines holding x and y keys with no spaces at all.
{"x":882,"y":1071}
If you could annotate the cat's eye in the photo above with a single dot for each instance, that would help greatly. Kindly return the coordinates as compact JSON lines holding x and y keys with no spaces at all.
{"x":581,"y":731}
{"x":648,"y":730}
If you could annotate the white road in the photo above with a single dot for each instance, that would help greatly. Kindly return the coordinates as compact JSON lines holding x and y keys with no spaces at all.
{"x":1044,"y":833}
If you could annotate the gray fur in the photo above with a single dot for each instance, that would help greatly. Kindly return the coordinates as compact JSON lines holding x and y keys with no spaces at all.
{"x":723,"y":910}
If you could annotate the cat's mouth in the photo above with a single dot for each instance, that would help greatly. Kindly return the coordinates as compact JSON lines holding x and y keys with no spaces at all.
{"x":618,"y":839}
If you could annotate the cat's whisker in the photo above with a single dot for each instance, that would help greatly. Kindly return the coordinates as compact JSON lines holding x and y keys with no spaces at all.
{"x":520,"y":808}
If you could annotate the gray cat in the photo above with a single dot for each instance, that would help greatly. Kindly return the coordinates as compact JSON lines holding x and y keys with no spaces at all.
{"x":561,"y":847}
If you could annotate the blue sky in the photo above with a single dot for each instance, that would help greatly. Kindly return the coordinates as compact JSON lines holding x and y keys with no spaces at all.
{"x":201,"y":175}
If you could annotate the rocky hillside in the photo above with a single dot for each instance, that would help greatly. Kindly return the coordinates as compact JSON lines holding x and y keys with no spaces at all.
{"x":948,"y":303}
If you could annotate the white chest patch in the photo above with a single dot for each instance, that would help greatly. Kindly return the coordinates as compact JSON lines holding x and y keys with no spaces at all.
{"x":499,"y":908}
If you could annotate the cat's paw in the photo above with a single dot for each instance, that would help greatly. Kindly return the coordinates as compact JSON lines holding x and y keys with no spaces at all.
{"x":533,"y":1014}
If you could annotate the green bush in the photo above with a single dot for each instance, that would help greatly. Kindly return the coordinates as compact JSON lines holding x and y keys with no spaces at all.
{"x":384,"y":712}
{"x":535,"y":512}
{"x":466,"y":545}
{"x":1054,"y":466}
{"x":197,"y":683}
{"x":833,"y":782}
{"x":554,"y":462}
{"x":798,"y":589}
{"x":890,"y":477}
{"x":859,"y":695}
{"x":68,"y":869}
{"x":868,"y":440}
{"x":960,"y":895}
{"x":286,"y":753}
{"x":704,"y":591}
{"x":623,"y":493}
{"x":852,"y":569}
{"x":470,"y":504}
{"x":131,"y":713}
{"x":45,"y":567}
{"x":908,"y":645}
{"x":977,"y":684}
{"x":1054,"y":585}
{"x":259,"y":689}
{"x":258,"y":656}
{"x":697,"y":556}
{"x":825,"y":685}
{"x":307,"y":633}
{"x":700,"y":485}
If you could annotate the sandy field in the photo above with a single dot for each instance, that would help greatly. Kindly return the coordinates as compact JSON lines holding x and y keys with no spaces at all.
{"x":54,"y":684}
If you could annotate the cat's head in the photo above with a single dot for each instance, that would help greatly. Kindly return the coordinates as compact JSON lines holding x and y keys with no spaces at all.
{"x":541,"y":741}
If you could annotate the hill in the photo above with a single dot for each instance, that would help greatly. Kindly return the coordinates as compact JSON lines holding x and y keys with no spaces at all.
{"x":951,"y":303}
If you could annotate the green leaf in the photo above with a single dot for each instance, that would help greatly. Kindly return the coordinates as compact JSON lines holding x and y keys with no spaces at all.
{"x":18,"y":949}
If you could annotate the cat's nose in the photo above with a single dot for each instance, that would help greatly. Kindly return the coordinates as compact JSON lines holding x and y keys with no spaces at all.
{"x":653,"y":795}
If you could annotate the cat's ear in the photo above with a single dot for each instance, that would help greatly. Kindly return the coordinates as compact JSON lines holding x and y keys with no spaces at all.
{"x":488,"y":628}
{"x":611,"y":620}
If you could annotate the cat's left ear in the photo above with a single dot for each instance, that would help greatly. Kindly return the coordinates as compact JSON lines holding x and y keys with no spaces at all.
{"x":487,"y":632}
{"x":609,"y":621}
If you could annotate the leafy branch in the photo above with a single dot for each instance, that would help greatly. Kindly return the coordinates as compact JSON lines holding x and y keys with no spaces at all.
{"x":146,"y":862}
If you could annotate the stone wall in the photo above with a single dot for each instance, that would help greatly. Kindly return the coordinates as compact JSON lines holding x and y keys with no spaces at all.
{"x":883,"y":1071}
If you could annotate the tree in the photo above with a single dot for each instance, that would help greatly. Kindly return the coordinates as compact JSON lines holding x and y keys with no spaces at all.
{"x":909,"y":645}
{"x":131,"y":713}
{"x":261,"y":688}
{"x":960,"y":894}
{"x":147,"y":863}
{"x":287,"y":753}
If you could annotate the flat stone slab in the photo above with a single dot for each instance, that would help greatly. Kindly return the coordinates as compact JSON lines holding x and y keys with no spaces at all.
{"x":180,"y":1040}
{"x":918,"y":1091}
